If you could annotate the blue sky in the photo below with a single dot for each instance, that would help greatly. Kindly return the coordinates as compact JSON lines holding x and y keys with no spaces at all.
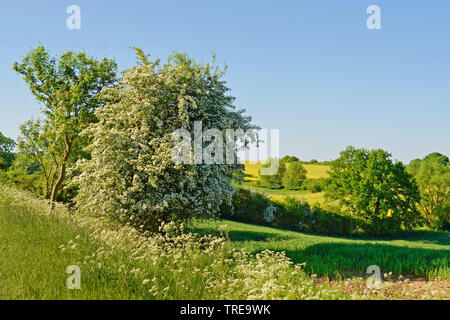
{"x":311,"y":69}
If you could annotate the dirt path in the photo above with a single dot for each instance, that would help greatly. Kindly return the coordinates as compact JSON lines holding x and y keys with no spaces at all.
{"x":407,"y":288}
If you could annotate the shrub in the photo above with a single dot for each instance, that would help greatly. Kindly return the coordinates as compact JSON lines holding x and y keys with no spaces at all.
{"x":294,"y":176}
{"x":272,"y":181}
{"x":248,"y":206}
{"x":293,"y":214}
{"x":315,"y":185}
{"x":329,"y":221}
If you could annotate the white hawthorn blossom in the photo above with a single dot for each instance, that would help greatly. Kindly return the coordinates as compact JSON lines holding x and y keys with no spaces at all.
{"x":131,"y":175}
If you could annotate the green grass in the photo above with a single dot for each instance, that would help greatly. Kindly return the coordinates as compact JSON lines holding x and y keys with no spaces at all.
{"x":424,"y":254}
{"x":119,"y":262}
{"x":32,"y":266}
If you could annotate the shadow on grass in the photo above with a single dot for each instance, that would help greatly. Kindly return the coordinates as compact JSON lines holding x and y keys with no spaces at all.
{"x":348,"y":259}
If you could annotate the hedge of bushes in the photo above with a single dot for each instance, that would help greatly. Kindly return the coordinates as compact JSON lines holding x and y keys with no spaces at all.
{"x":291,"y":213}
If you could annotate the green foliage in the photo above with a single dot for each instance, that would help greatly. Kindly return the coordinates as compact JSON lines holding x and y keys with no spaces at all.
{"x":294,"y":176}
{"x":443,"y":159}
{"x":7,"y":146}
{"x":246,"y":206}
{"x":41,"y":147}
{"x":293,"y":214}
{"x":433,"y":178}
{"x":289,"y":159}
{"x":68,"y":88}
{"x":379,"y":193}
{"x":315,"y":185}
{"x":290,"y":213}
{"x":274,"y":181}
{"x":132,"y":176}
{"x":329,"y":221}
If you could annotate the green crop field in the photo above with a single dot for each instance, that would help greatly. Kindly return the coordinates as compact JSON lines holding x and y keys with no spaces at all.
{"x":424,"y":254}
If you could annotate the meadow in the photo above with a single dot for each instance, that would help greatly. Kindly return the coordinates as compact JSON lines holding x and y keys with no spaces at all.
{"x":38,"y":244}
{"x":211,"y":259}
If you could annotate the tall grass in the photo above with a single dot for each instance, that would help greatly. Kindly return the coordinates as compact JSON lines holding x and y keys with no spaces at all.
{"x":119,"y":262}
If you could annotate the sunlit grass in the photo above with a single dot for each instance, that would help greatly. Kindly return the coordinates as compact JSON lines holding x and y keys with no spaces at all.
{"x":118,"y":262}
{"x":424,"y":254}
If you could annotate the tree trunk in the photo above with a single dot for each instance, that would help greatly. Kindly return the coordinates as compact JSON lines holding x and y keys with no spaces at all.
{"x":62,"y":172}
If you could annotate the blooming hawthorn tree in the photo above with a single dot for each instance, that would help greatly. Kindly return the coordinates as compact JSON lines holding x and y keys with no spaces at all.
{"x":132,"y":175}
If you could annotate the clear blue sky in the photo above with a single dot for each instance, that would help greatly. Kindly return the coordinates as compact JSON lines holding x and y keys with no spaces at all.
{"x":309,"y":68}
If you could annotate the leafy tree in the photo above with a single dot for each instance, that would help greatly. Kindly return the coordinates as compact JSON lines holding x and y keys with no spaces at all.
{"x":131,"y":175}
{"x":294,"y":176}
{"x":7,"y":146}
{"x":289,"y":159}
{"x":437,"y":156}
{"x":23,"y":174}
{"x":41,"y":145}
{"x":274,"y":181}
{"x":68,"y":87}
{"x":433,"y":178}
{"x":375,"y":190}
{"x":315,"y":185}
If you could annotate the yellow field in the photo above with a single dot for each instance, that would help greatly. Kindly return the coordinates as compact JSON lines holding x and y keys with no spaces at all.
{"x":311,"y":198}
{"x":313,"y":171}
{"x":251,"y":170}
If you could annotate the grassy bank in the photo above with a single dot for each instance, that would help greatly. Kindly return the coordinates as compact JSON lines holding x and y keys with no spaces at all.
{"x":118,"y":262}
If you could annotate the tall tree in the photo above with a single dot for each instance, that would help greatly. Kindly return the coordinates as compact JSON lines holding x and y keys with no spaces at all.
{"x":377,"y":191}
{"x":68,"y":88}
{"x":433,"y":177}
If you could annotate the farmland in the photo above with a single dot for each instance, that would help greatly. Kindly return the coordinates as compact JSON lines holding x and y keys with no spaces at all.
{"x":423,"y":254}
{"x":314,"y":171}
{"x":118,"y":263}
